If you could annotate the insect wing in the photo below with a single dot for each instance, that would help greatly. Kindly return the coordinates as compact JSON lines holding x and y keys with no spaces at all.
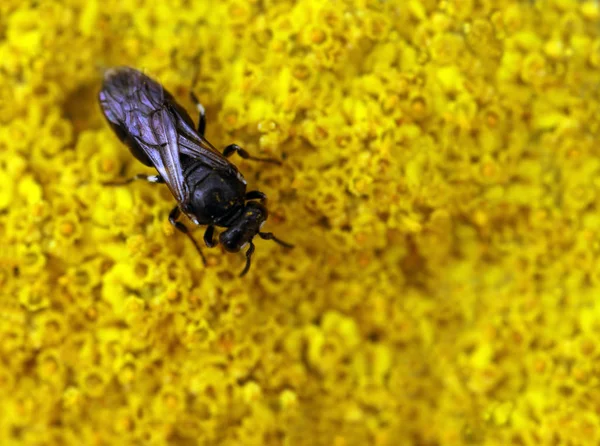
{"x":165,"y":131}
{"x":137,"y":106}
{"x":149,"y":119}
{"x":195,"y":146}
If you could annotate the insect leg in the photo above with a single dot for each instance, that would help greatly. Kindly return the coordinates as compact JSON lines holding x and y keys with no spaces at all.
{"x":232,"y":148}
{"x":173,"y":216}
{"x":149,"y":178}
{"x":248,"y":257}
{"x":270,"y":236}
{"x":256,"y":195}
{"x":201,"y":113}
{"x":208,"y":237}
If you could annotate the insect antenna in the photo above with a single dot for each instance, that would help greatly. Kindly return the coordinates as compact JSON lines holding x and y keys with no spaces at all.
{"x":270,"y":236}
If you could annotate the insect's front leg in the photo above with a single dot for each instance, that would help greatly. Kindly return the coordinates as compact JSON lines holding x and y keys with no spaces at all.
{"x":201,"y":113}
{"x":208,"y":237}
{"x":256,"y":195}
{"x":149,"y":178}
{"x":234,"y":148}
{"x":173,"y":216}
{"x":248,"y":259}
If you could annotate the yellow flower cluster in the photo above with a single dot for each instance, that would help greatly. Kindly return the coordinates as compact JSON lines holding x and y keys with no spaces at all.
{"x":441,"y":184}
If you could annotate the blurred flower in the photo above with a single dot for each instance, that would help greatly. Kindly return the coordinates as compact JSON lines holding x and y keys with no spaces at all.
{"x":440,"y":183}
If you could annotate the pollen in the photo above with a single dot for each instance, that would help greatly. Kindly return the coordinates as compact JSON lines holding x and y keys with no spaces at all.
{"x":108,"y":165}
{"x":439,"y":180}
{"x":318,"y":36}
{"x":67,"y":228}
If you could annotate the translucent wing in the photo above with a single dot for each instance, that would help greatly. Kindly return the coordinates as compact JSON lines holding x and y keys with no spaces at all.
{"x":137,"y":108}
{"x":197,"y":147}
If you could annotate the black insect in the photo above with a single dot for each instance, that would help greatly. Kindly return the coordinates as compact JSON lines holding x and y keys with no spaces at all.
{"x":208,"y":188}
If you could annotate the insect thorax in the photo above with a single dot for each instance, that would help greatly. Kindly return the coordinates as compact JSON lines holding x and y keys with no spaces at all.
{"x":216,"y":196}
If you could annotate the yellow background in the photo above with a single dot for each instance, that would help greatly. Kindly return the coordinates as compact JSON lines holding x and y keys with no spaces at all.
{"x":440,"y":182}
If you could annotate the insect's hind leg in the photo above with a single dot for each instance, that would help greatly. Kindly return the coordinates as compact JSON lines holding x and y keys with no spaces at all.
{"x":194,"y":98}
{"x":173,"y":216}
{"x":234,"y":148}
{"x":201,"y":113}
{"x":148,"y":178}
